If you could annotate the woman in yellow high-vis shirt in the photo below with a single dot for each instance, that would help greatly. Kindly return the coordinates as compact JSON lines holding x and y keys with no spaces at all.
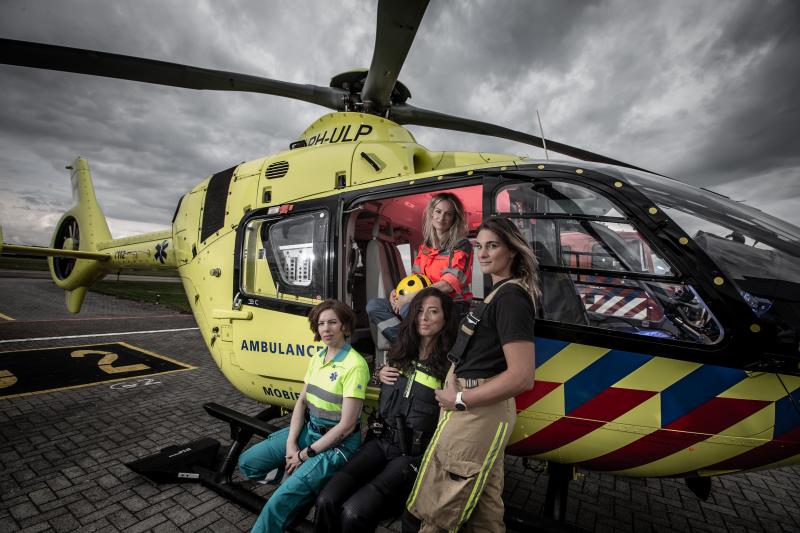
{"x":323,"y":432}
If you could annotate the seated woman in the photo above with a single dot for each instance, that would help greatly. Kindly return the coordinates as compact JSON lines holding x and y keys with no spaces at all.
{"x":374,"y":484}
{"x":323,"y":432}
{"x":445,"y":257}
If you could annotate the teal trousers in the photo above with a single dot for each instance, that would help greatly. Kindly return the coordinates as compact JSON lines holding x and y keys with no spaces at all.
{"x":301,"y":488}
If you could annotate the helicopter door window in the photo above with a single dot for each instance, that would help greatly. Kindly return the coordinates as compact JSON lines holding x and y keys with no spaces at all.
{"x":597,"y":270}
{"x":256,"y":275}
{"x":286,"y":257}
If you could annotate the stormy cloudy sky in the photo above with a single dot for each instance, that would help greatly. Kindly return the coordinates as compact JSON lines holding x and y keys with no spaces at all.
{"x":704,"y":91}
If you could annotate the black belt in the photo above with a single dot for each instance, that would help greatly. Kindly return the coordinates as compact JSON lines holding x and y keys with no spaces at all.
{"x":471,"y":383}
{"x":324,"y":429}
{"x":319,"y":429}
{"x":419,"y":440}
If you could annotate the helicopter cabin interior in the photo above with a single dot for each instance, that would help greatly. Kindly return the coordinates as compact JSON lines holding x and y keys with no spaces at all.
{"x":597,"y":270}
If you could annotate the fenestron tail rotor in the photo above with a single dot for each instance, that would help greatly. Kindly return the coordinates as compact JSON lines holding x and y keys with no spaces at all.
{"x":67,"y":237}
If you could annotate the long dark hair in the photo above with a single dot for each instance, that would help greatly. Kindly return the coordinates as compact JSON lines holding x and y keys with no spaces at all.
{"x":406,"y":349}
{"x":524,"y":266}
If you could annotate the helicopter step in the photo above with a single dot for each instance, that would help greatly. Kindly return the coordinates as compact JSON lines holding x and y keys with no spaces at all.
{"x":199,"y":461}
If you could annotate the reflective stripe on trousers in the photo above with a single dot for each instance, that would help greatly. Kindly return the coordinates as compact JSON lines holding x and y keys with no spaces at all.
{"x":460,"y":481}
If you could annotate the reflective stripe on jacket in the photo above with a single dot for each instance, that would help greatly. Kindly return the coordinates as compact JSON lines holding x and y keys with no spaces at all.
{"x":412,"y":397}
{"x":454,"y":266}
{"x":327,"y":384}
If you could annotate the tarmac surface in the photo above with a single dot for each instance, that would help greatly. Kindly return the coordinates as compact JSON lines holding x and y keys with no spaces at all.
{"x":62,"y":453}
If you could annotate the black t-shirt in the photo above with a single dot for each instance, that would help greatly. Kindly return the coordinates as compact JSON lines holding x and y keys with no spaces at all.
{"x":509,"y":317}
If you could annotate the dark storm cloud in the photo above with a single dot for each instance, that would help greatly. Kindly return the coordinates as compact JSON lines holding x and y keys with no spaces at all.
{"x":759,"y":122}
{"x":704,"y":91}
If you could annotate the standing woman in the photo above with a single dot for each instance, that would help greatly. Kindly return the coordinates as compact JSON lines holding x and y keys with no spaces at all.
{"x":376,"y":481}
{"x":323,"y":432}
{"x":460,"y":481}
{"x":445,"y":257}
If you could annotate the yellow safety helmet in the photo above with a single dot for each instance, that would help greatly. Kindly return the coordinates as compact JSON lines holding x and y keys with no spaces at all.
{"x":413,"y":283}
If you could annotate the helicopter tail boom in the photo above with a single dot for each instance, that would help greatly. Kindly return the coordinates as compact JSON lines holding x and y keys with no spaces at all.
{"x":82,"y":251}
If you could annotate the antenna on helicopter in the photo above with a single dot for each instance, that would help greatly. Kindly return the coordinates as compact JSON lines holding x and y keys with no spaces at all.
{"x":541,"y":131}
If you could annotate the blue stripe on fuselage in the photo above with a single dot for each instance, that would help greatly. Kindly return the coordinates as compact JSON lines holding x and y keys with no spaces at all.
{"x":599,"y":376}
{"x":694,"y":390}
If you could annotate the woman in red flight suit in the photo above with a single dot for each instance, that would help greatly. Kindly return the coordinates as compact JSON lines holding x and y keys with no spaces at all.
{"x":445,"y":257}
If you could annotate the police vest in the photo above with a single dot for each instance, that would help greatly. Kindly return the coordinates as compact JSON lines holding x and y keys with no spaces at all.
{"x":327,"y":384}
{"x":411,"y":401}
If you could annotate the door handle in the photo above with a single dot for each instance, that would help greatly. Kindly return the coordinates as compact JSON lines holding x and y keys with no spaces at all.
{"x":230,"y":314}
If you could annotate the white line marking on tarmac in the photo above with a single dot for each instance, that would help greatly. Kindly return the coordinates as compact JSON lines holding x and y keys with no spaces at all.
{"x":97,"y":335}
{"x":89,"y":318}
{"x":6,"y":317}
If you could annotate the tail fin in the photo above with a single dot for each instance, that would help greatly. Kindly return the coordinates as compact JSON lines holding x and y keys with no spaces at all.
{"x":81,"y":228}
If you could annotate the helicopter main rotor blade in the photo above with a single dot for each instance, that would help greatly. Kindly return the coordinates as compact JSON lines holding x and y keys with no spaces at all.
{"x":410,"y":115}
{"x":80,"y":61}
{"x":398,"y":21}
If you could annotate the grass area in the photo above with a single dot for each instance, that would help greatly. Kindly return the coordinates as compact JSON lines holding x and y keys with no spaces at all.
{"x":171,"y":273}
{"x":20,"y":262}
{"x":12,"y":262}
{"x":167,"y":294}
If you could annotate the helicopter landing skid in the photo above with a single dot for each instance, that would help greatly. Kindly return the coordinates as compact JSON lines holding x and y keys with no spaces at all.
{"x":196,"y":461}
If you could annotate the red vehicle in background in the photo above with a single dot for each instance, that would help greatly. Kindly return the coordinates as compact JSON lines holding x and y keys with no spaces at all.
{"x":612,"y":296}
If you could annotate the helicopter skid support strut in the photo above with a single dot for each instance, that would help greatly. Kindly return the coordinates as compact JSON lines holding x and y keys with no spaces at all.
{"x":555,"y":501}
{"x":198,"y":462}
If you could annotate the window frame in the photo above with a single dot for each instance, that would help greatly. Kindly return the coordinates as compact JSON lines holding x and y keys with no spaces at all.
{"x":675,"y":277}
{"x":283,"y":301}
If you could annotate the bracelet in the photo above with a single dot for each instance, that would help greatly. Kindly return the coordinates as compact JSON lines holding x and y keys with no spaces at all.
{"x":376,"y":375}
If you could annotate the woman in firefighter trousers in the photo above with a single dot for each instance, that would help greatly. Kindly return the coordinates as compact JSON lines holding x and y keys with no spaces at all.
{"x":376,"y":481}
{"x":460,"y":480}
{"x":323,"y":432}
{"x":445,"y":257}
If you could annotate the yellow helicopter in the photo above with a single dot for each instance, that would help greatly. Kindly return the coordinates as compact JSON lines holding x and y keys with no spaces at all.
{"x":668,"y":339}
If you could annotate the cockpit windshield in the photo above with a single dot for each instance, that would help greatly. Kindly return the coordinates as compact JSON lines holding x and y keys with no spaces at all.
{"x":759,"y":252}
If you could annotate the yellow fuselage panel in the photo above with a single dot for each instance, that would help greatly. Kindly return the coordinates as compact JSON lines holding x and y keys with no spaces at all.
{"x":344,"y":128}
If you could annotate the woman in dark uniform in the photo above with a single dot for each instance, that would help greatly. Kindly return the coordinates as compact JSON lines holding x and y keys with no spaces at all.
{"x":375,"y":482}
{"x":460,"y":481}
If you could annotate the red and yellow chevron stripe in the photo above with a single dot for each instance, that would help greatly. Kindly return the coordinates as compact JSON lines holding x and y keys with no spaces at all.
{"x":639,"y":415}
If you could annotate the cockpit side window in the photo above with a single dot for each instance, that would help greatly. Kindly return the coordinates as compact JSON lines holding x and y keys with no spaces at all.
{"x":597,"y":269}
{"x":768,"y":279}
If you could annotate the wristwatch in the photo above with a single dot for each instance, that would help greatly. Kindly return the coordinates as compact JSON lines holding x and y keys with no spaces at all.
{"x":310,"y":452}
{"x":459,"y":403}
